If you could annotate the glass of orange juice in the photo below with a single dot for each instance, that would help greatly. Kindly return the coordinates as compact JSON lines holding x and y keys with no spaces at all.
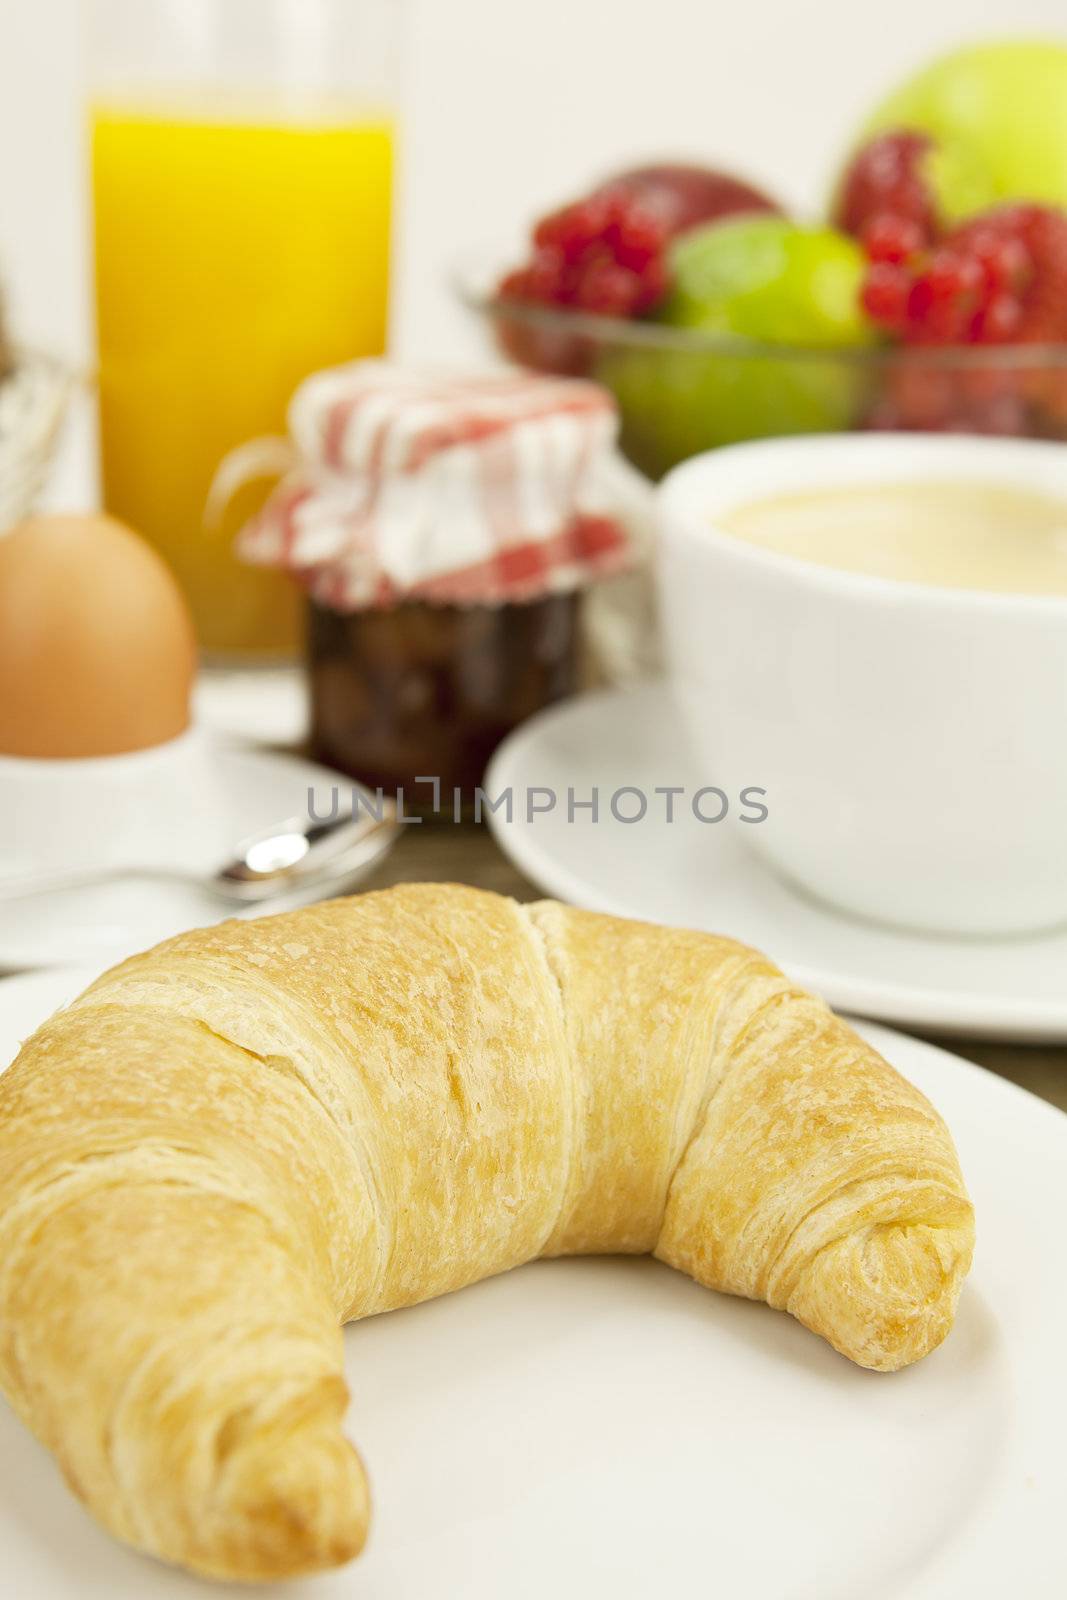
{"x":242,"y":156}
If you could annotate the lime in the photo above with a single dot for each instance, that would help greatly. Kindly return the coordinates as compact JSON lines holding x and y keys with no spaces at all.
{"x":758,"y":278}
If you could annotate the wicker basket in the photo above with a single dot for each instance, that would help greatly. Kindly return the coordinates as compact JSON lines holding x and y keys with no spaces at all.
{"x":33,"y":400}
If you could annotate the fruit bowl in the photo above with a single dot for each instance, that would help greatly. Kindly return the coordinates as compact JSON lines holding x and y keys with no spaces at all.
{"x":684,"y":390}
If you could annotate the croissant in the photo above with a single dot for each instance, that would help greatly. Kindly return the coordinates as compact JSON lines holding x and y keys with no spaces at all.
{"x":232,"y":1144}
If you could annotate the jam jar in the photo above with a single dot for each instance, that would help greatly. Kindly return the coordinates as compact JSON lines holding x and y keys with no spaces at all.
{"x":430,"y":690}
{"x":448,"y":529}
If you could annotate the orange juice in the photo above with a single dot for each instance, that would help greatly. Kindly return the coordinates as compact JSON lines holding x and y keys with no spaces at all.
{"x":234,"y":256}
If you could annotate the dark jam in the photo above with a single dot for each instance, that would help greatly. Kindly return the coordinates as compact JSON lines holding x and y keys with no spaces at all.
{"x":427,"y":691}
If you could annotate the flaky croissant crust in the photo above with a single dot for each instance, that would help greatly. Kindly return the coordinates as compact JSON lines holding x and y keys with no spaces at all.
{"x":235,"y":1142}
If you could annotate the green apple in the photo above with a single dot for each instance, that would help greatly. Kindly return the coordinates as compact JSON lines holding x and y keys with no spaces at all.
{"x":761,"y":279}
{"x":999,"y":114}
{"x":766,"y":278}
{"x":959,"y":180}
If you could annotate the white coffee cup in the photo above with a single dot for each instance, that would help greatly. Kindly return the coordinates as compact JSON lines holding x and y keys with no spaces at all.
{"x":912,"y":740}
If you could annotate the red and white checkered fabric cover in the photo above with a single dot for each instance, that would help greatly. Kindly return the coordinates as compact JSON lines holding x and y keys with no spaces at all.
{"x":455,"y":489}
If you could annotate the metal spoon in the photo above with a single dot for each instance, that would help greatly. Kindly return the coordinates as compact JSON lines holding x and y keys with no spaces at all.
{"x":297,"y":853}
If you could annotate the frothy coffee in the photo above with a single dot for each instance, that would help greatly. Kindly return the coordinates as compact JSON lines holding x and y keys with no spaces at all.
{"x":952,"y":535}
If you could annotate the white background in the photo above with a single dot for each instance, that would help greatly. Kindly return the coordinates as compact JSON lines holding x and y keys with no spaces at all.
{"x":510,"y":105}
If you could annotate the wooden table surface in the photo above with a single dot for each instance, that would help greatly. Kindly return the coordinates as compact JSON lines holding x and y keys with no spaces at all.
{"x":444,"y":853}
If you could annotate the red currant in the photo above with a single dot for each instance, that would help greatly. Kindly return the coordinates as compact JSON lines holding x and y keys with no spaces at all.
{"x":604,"y":254}
{"x":891,"y":237}
{"x":885,"y":294}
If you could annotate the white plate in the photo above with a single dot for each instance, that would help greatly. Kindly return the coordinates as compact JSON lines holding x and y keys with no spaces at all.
{"x":691,"y":874}
{"x":254,"y":789}
{"x":590,"y":1428}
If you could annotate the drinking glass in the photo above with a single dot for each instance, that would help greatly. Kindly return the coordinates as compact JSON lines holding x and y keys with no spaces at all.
{"x":242,"y":156}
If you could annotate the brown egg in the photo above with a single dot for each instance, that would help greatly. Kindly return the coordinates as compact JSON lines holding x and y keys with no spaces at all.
{"x":97,"y":650}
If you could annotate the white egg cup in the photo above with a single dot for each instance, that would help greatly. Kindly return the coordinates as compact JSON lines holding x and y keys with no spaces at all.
{"x":912,"y":740}
{"x":159,"y":806}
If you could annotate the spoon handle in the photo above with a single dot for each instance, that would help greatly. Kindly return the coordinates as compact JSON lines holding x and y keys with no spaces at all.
{"x":366,"y":845}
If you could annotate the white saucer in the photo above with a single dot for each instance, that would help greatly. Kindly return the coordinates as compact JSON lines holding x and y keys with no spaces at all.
{"x":703,"y":876}
{"x":251,"y":789}
{"x":604,"y":1427}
